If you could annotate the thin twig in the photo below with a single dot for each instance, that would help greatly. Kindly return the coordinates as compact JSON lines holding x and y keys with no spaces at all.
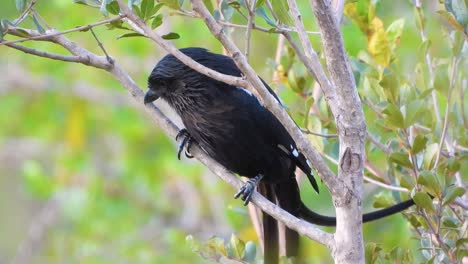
{"x":46,"y":54}
{"x":301,"y":226}
{"x":56,"y":33}
{"x":310,"y":57}
{"x":385,"y":186}
{"x":428,"y":59}
{"x":462,"y":103}
{"x":378,"y":144}
{"x":381,"y":184}
{"x":250,"y":24}
{"x":278,"y":30}
{"x":279,"y":49}
{"x":25,"y":13}
{"x":307,"y":131}
{"x":447,"y":110}
{"x":109,"y":59}
{"x":168,"y":46}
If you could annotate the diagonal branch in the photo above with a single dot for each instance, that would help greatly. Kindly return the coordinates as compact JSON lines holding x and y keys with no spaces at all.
{"x":168,"y":126}
{"x":232,"y":80}
{"x":56,"y":33}
{"x":333,"y":183}
{"x":310,"y":58}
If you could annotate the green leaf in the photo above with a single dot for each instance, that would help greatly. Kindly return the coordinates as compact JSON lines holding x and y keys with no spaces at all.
{"x":129,"y":35}
{"x":424,"y":94}
{"x":423,"y":200}
{"x":429,"y":180}
{"x":450,"y":18}
{"x":146,"y":8}
{"x":171,"y":35}
{"x":461,"y":242}
{"x":372,"y":252}
{"x":157,"y":21}
{"x":459,"y":11}
{"x":430,"y":155}
{"x":38,"y":25}
{"x":391,"y":87}
{"x":395,"y":30}
{"x":226,"y":10}
{"x":401,"y":159}
{"x":156,"y":8}
{"x":414,"y":111}
{"x":174,"y":4}
{"x":262,"y":13}
{"x":236,"y":247}
{"x":394,"y":116}
{"x":117,"y":24}
{"x":452,"y":194}
{"x":281,"y":10}
{"x":209,"y":5}
{"x":216,"y":245}
{"x":21,"y":5}
{"x":250,"y":252}
{"x":450,"y":222}
{"x":419,"y":144}
{"x":259,"y":3}
{"x":113,"y":8}
{"x":382,"y":201}
{"x":234,"y":4}
{"x":414,"y":221}
{"x":458,"y":42}
{"x":136,"y":10}
{"x":81,"y":2}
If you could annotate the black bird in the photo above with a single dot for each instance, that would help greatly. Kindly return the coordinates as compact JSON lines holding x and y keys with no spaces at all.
{"x":231,"y":125}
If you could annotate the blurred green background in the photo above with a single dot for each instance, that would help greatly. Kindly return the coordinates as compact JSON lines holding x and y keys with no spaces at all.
{"x":87,"y":177}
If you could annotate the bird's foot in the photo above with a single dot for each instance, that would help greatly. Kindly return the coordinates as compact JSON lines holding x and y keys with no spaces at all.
{"x":186,"y":143}
{"x":248,"y":189}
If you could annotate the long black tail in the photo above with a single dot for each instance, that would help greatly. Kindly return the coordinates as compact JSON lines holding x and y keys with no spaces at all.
{"x":318,"y":219}
{"x":290,"y":200}
{"x":270,"y":228}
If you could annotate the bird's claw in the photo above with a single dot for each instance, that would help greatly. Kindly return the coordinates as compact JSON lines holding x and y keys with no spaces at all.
{"x":186,"y":143}
{"x":247,"y":190}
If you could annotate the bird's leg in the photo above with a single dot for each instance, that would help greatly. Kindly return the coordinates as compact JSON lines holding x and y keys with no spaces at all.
{"x":186,"y":143}
{"x":248,"y":189}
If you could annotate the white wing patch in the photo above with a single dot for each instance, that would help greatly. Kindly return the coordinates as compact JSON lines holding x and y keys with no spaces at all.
{"x":295,"y":153}
{"x":308,"y":163}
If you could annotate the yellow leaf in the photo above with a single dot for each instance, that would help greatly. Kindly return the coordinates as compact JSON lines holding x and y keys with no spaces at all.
{"x":74,"y":132}
{"x":451,"y":19}
{"x":377,"y":44}
{"x":350,"y":10}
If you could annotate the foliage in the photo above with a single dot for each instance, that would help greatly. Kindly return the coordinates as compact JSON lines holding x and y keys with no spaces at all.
{"x":123,"y":195}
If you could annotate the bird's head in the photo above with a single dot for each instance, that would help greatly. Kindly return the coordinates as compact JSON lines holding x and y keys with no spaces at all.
{"x":166,"y":80}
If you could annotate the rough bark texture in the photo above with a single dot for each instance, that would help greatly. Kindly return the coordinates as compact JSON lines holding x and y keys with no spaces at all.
{"x":349,"y":246}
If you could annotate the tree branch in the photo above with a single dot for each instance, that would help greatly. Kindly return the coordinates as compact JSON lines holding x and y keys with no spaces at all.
{"x":310,"y":59}
{"x":47,"y":36}
{"x":168,"y":46}
{"x":332,"y":182}
{"x":162,"y":121}
{"x":351,"y":128}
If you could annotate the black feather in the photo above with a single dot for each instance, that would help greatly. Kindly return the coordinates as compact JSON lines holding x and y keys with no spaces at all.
{"x":235,"y":129}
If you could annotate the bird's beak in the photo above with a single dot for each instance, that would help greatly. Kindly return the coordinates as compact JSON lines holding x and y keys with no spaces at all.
{"x":150,"y":96}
